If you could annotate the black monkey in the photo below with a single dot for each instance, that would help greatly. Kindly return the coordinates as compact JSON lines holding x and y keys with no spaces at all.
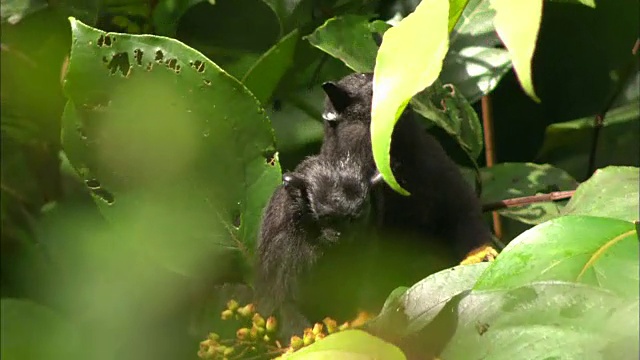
{"x":442,"y":205}
{"x":311,"y":235}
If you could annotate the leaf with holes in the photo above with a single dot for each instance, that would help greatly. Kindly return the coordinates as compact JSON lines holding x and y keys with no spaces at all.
{"x":349,"y":344}
{"x":611,"y":192}
{"x":349,"y":38}
{"x":542,"y":320}
{"x":509,"y":180}
{"x":403,"y":68}
{"x":592,"y":250}
{"x":264,"y":76}
{"x":178,"y":154}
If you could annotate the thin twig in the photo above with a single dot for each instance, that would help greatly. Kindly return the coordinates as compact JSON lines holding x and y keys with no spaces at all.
{"x":526,"y":200}
{"x":598,"y":121}
{"x":490,"y":156}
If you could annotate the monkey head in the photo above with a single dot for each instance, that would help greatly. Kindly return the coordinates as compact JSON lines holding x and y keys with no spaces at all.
{"x":334,"y":194}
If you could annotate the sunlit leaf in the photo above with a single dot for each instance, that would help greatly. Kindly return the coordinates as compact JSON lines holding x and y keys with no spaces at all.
{"x":611,"y":192}
{"x":592,"y":250}
{"x":403,"y":68}
{"x":349,"y":344}
{"x":517,"y":24}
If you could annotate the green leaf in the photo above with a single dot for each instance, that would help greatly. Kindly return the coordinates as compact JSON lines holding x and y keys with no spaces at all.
{"x":264,"y":76}
{"x":298,"y":120}
{"x":349,"y":344}
{"x":349,"y":39}
{"x":32,"y":331}
{"x":611,"y":192}
{"x":589,"y":3}
{"x":178,"y":154}
{"x":568,"y":144}
{"x":517,"y":24}
{"x":15,"y":10}
{"x":592,"y":250}
{"x":473,"y":63}
{"x":403,"y":68}
{"x":166,"y":15}
{"x":544,"y":320}
{"x":419,"y":305}
{"x":456,"y":8}
{"x":509,"y":180}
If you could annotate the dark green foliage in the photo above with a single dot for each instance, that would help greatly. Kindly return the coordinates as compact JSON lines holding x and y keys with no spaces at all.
{"x":135,"y":169}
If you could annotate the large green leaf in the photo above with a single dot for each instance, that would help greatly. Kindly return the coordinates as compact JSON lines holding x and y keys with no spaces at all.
{"x":473,"y":63}
{"x":568,"y":144}
{"x":517,"y":24}
{"x":420,"y":304}
{"x":264,"y":76}
{"x":544,"y":320}
{"x":32,"y":331}
{"x":177,"y":153}
{"x":592,"y":250}
{"x":349,"y":39}
{"x":611,"y":192}
{"x":403,"y":68}
{"x":510,"y":180}
{"x":349,"y":344}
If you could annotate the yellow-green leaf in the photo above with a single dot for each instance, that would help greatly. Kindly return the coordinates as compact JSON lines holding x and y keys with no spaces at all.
{"x":517,"y":24}
{"x":409,"y":60}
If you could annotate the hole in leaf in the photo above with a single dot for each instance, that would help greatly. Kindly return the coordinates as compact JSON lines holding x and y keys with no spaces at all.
{"x":178,"y":69}
{"x":120,"y":61}
{"x":104,"y":195}
{"x":198,"y":65}
{"x":100,"y":41}
{"x":92,"y":183}
{"x":149,"y":66}
{"x":270,"y":156}
{"x":137,"y":53}
{"x":159,"y":56}
{"x":171,"y":63}
{"x":207,"y":82}
{"x":105,"y":60}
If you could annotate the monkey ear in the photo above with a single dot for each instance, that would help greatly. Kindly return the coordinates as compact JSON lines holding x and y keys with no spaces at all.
{"x":292,"y":182}
{"x":376,"y":179}
{"x":339,"y":98}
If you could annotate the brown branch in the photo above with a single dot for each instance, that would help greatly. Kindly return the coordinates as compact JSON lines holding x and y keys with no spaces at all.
{"x":490,"y":156}
{"x":526,"y":200}
{"x":598,"y":120}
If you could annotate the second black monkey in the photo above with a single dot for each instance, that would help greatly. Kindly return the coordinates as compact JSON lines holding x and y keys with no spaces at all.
{"x":312,"y":250}
{"x":442,"y":205}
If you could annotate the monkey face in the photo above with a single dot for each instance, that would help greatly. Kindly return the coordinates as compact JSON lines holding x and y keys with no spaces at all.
{"x":335,"y":194}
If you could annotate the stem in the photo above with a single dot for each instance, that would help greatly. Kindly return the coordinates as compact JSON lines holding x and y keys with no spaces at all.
{"x":598,"y":121}
{"x":526,"y":200}
{"x":490,"y":156}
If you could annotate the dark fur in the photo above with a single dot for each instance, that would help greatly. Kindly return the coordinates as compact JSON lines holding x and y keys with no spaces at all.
{"x":442,"y":203}
{"x":308,"y":239}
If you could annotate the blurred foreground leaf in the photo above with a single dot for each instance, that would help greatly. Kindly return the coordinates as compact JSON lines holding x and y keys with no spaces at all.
{"x":178,"y":154}
{"x":349,"y":344}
